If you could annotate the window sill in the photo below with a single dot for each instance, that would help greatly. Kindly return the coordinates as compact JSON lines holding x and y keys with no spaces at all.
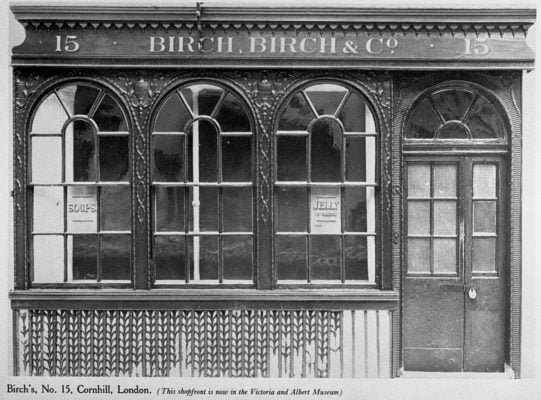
{"x":164,"y":299}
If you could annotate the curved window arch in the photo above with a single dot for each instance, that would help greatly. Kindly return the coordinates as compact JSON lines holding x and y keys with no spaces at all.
{"x":455,"y":113}
{"x":80,"y":185}
{"x":202,"y":187}
{"x":325,"y":186}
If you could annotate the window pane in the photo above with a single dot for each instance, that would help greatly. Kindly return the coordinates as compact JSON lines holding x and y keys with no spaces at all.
{"x":114,"y":154}
{"x":423,"y":121}
{"x":82,"y":209}
{"x":419,"y":255}
{"x":232,"y":116}
{"x":352,"y":115}
{"x":50,"y":116}
{"x":170,"y":257}
{"x":484,"y":216}
{"x":484,"y":255}
{"x":208,"y":209}
{"x":83,"y":253}
{"x":115,"y":210}
{"x":325,"y":210}
{"x":484,"y":180}
{"x":453,"y":104}
{"x":418,"y":218}
{"x":291,"y":209}
{"x":444,"y":217}
{"x":237,"y":159}
{"x":291,"y":258}
{"x":109,"y":117}
{"x":325,"y":258}
{"x":85,"y":96}
{"x":237,"y":209}
{"x":115,"y":256}
{"x":167,"y":161}
{"x":46,"y":160}
{"x":297,"y":115}
{"x":356,"y":256}
{"x":80,"y":152}
{"x":173,"y":115}
{"x":203,"y":133}
{"x":445,"y":256}
{"x":291,"y":158}
{"x":360,"y":157}
{"x":208,"y":97}
{"x":204,"y":258}
{"x":485,"y":121}
{"x":445,"y":181}
{"x":355,"y":208}
{"x":48,"y":258}
{"x":326,"y":151}
{"x":237,"y":253}
{"x":326,"y":98}
{"x":418,"y":180}
{"x":169,"y":203}
{"x":48,"y":215}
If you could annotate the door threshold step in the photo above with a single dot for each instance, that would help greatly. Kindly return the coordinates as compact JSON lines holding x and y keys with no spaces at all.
{"x":507,"y":374}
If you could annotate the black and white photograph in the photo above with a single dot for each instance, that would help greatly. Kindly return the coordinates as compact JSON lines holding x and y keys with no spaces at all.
{"x":234,"y":199}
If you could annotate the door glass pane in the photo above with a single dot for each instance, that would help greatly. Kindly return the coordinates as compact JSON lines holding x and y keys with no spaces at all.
{"x":291,"y":158}
{"x":352,"y":115}
{"x":418,"y":217}
{"x":444,"y":217}
{"x":237,"y":159}
{"x":326,"y":151}
{"x":445,"y":256}
{"x":484,"y":180}
{"x":82,"y":209}
{"x":204,"y":255}
{"x":50,"y":116}
{"x":48,"y":212}
{"x":203,"y":134}
{"x":170,"y":257}
{"x":423,"y":121}
{"x":114,"y":215}
{"x":419,"y":255}
{"x":484,"y":255}
{"x":485,"y":121}
{"x":484,"y":216}
{"x":115,"y":257}
{"x":356,"y":254}
{"x":114,"y":158}
{"x":291,"y":209}
{"x":325,"y":257}
{"x":173,"y":115}
{"x":453,"y":104}
{"x":237,"y":256}
{"x":48,"y":258}
{"x":84,"y":256}
{"x":418,"y":180}
{"x":237,"y":209}
{"x":297,"y":115}
{"x":46,"y":160}
{"x":169,"y":203}
{"x":445,"y":180}
{"x":232,"y":116}
{"x":167,"y":160}
{"x":291,"y":258}
{"x":109,"y":117}
{"x":326,"y":98}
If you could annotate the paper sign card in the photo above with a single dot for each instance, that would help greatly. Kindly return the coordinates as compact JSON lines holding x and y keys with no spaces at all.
{"x":325,"y":210}
{"x":82,"y":210}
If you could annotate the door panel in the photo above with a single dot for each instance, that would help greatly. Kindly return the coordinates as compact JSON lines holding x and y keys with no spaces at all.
{"x":444,"y":328}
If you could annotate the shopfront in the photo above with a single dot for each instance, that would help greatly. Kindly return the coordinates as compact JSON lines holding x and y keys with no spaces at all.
{"x":218,"y":191}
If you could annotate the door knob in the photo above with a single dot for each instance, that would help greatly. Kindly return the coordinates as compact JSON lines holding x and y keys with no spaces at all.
{"x":472,"y":293}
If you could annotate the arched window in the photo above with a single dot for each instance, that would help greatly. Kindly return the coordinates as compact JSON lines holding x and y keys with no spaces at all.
{"x":454,"y":113}
{"x":325,"y":184}
{"x":80,"y":186}
{"x":202,"y":187}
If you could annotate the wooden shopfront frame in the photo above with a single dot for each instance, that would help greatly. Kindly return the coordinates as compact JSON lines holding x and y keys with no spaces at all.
{"x":278,"y":51}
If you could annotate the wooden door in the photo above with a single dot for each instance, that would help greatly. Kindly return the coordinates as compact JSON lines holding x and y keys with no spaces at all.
{"x":454,"y":293}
